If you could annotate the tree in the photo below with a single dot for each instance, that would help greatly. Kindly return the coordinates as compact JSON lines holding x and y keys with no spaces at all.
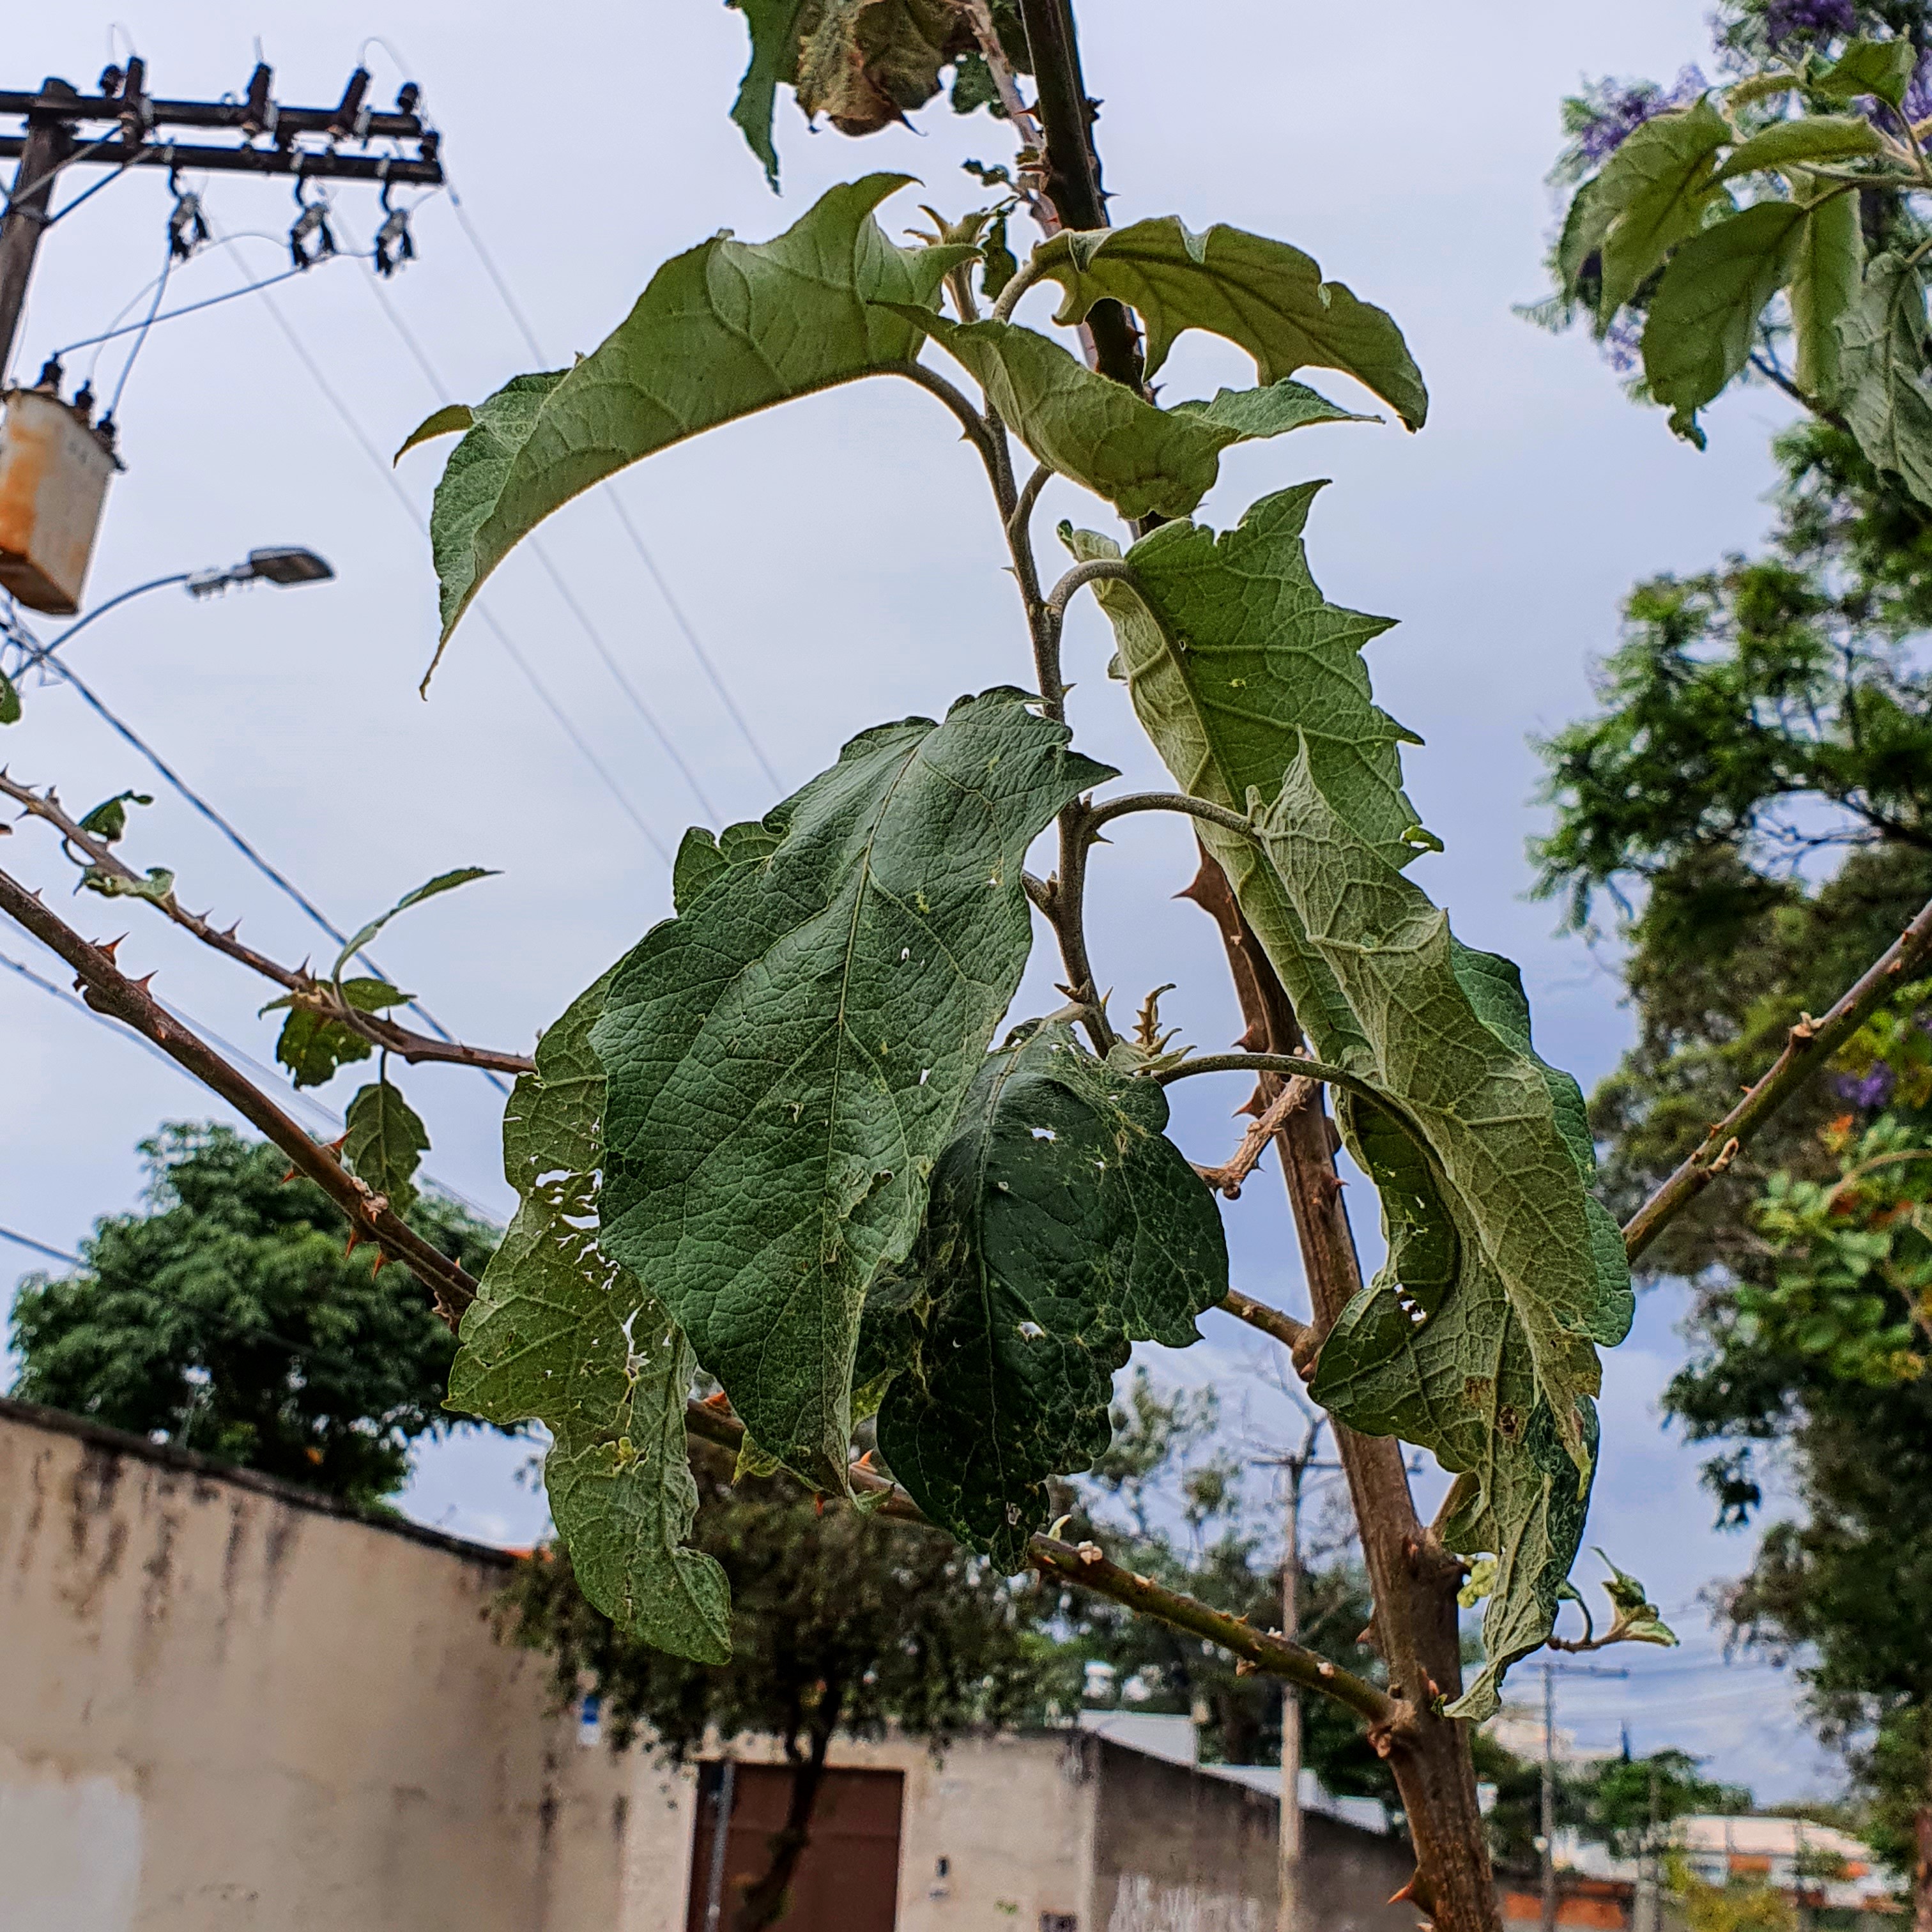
{"x":225,"y":1317}
{"x":778,"y":1140}
{"x":841,"y":1624}
{"x":1758,"y":721}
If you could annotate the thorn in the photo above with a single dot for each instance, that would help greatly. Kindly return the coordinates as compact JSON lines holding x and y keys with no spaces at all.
{"x":818,"y":1505}
{"x":232,"y":930}
{"x":1407,"y":1891}
{"x":1245,"y":1667}
{"x":354,"y":1242}
{"x":1090,"y":1552}
{"x":1806,"y":1029}
{"x":110,"y":947}
{"x":141,"y":984}
{"x":718,"y":1399}
{"x":382,"y":1262}
{"x":290,"y":1175}
{"x":865,"y":1462}
{"x":335,"y":1146}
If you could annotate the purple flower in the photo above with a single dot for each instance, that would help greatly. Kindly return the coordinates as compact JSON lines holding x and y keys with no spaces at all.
{"x":1918,"y":95}
{"x":1807,"y":20}
{"x":1867,"y":1091}
{"x":1623,"y":344}
{"x":1608,"y":114}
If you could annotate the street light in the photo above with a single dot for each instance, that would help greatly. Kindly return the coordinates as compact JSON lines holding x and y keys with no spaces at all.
{"x":279,"y":563}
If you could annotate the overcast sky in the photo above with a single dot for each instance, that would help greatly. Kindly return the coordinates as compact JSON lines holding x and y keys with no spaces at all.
{"x":839,"y":561}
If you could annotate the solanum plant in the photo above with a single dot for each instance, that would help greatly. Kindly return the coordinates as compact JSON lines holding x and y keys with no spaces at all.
{"x":796,"y":1139}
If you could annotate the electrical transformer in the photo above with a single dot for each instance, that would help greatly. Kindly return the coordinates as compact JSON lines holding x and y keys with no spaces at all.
{"x":55,"y":468}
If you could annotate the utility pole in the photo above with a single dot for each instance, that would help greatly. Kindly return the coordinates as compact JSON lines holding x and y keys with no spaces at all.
{"x":1546,"y":1838}
{"x":123,"y":127}
{"x":1298,"y":1466}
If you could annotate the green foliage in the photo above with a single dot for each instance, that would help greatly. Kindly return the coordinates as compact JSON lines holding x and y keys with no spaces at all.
{"x":385,"y":1143}
{"x":313,"y":1045}
{"x":563,"y":1335}
{"x":1062,"y":1225}
{"x":9,"y":700}
{"x":1652,"y":194}
{"x":729,"y":328}
{"x":1265,"y":295}
{"x":1478,"y":1340}
{"x":108,"y":820}
{"x":157,"y":885}
{"x":225,"y":1316}
{"x":802,"y":1037}
{"x":444,"y":882}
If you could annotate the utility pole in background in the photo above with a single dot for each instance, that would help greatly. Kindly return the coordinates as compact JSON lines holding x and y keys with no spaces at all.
{"x":1546,"y":1837}
{"x":1298,"y":1466}
{"x":127,"y":128}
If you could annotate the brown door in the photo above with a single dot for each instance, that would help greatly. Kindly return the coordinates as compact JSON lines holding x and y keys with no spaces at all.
{"x":848,"y":1880}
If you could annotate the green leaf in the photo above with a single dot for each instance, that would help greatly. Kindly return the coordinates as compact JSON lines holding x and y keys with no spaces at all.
{"x":108,"y":820}
{"x":1704,"y":317}
{"x":443,"y":882}
{"x":1584,"y":228}
{"x":560,"y":1334}
{"x":385,"y":1143}
{"x":702,"y":859}
{"x":1637,"y":1620}
{"x":1063,"y":1226}
{"x":1253,"y":414}
{"x":1881,"y":67}
{"x":1265,"y":295}
{"x":366,"y":996}
{"x":1830,"y":253}
{"x":1241,"y":672}
{"x":448,"y":420}
{"x":159,"y":883}
{"x":312,"y":1046}
{"x":788,"y":1057}
{"x":865,"y":64}
{"x":9,"y":700}
{"x":722,"y":331}
{"x":998,"y":265}
{"x":1654,"y":192}
{"x":1882,"y":391}
{"x":1815,"y":138}
{"x":774,"y":25}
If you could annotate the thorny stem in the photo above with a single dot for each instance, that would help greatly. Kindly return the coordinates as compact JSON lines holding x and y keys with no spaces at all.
{"x":108,"y":990}
{"x":1086,"y":1566}
{"x":320,"y":994}
{"x":1294,"y":1335}
{"x":1808,"y":1045}
{"x":1228,"y":1178}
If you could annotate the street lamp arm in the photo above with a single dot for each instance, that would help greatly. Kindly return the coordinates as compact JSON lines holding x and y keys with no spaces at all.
{"x":101,"y":610}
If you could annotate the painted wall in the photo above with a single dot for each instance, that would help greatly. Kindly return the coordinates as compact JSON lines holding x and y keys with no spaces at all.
{"x":226,"y":1708}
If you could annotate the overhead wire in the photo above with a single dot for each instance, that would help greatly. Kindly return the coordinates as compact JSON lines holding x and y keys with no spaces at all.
{"x":441,"y":390}
{"x":141,"y":339}
{"x":488,"y":617}
{"x":686,"y":628}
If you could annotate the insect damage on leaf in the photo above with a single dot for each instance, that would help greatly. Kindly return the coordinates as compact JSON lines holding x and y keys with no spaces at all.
{"x":1062,"y":1226}
{"x":787,"y":1057}
{"x":561,"y":1334}
{"x":1477,"y":1340}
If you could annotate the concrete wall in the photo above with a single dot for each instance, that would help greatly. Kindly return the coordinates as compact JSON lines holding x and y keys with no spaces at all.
{"x":1177,"y":1849}
{"x":226,"y":1707}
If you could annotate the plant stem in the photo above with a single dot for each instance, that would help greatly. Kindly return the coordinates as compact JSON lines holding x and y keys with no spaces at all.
{"x":1169,"y":801}
{"x":109,"y":990}
{"x":385,"y":1033}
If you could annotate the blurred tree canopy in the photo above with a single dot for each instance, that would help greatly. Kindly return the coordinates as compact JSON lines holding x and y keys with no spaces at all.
{"x":225,"y":1318}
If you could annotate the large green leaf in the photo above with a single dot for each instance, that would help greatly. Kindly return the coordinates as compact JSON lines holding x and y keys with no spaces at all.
{"x":1240,"y":671}
{"x":1100,"y":433}
{"x":1804,"y":143}
{"x":560,"y":1334}
{"x":787,"y":1057}
{"x":1265,"y":296}
{"x":1828,"y":255}
{"x":1654,"y":192}
{"x":1703,"y":320}
{"x":385,"y":1142}
{"x":727,"y":329}
{"x":1062,"y":1226}
{"x":1882,"y":389}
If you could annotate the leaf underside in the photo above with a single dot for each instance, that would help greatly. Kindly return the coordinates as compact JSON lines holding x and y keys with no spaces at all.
{"x":560,"y":1334}
{"x":1503,"y":1274}
{"x":1063,"y":1227}
{"x":788,"y":1055}
{"x":1882,"y":389}
{"x":1265,"y":296}
{"x":724,"y":330}
{"x":385,"y":1143}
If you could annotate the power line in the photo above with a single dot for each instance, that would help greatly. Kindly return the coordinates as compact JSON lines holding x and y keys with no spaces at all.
{"x":683,"y":623}
{"x":441,"y":390}
{"x":502,"y":637}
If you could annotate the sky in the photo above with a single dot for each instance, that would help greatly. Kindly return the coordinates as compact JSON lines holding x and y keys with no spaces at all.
{"x":837,"y":562}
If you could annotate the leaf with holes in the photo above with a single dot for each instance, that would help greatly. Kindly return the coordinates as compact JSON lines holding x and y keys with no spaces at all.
{"x":725,"y":330}
{"x":1267,"y":297}
{"x":1063,"y":1226}
{"x":560,"y":1334}
{"x":788,"y":1057}
{"x":385,"y":1143}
